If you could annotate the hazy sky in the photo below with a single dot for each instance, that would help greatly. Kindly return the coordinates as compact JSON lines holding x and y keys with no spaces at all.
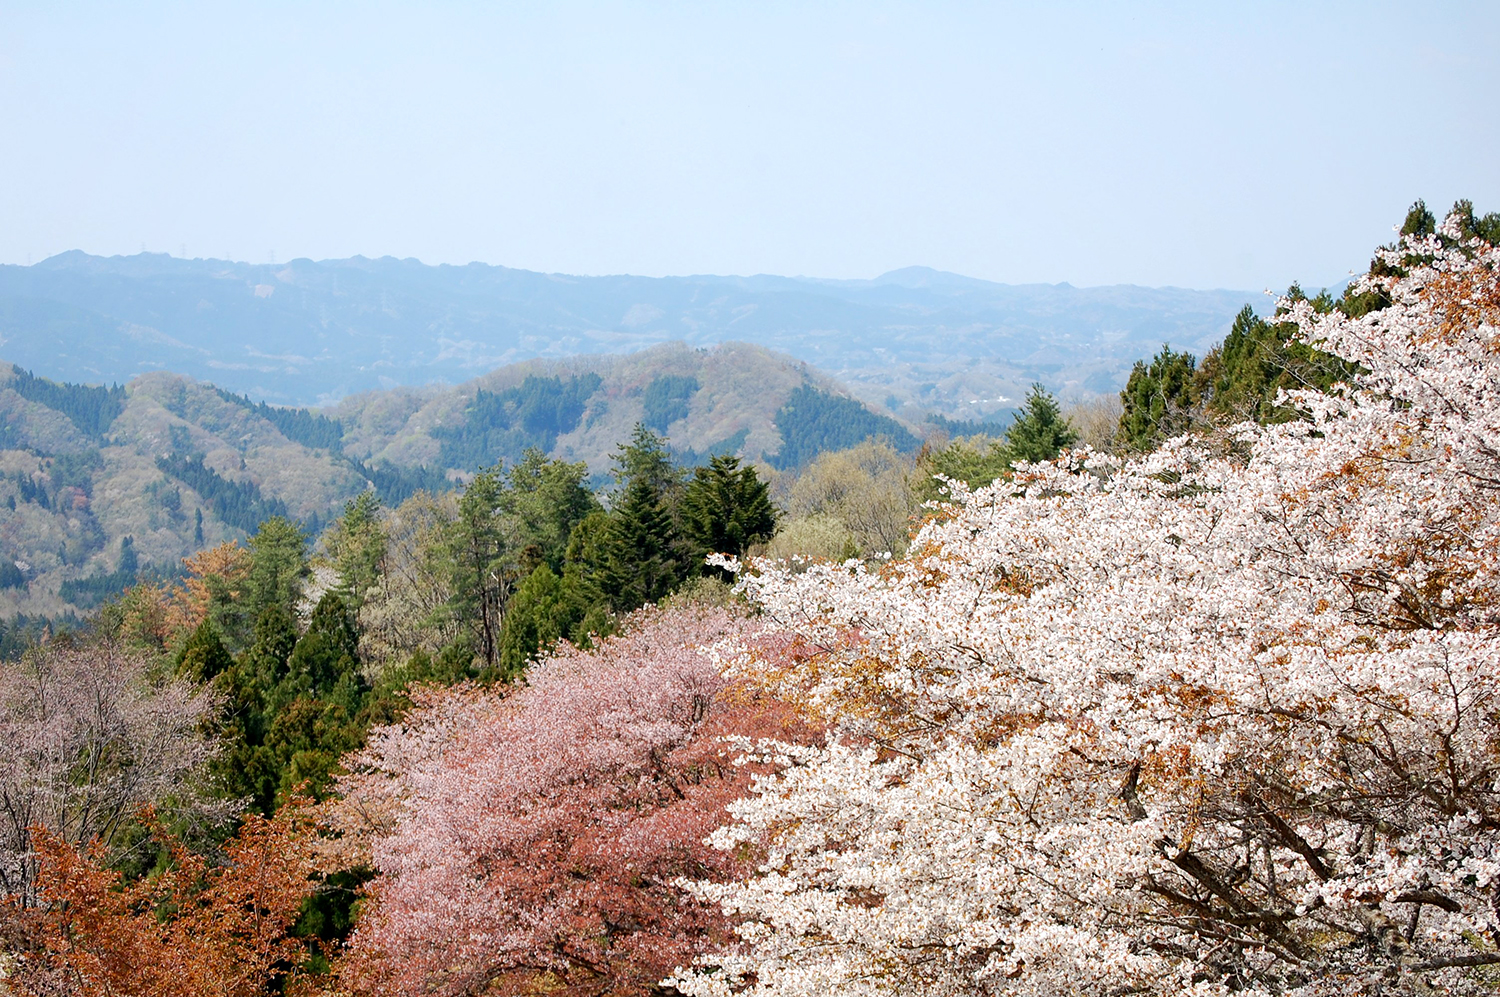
{"x":1203,"y":145}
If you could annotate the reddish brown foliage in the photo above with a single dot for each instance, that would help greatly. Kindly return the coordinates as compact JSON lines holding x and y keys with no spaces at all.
{"x":161,"y":615}
{"x":193,"y":931}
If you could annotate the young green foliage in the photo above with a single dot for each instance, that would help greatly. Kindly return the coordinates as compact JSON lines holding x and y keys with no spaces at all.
{"x":356,"y":545}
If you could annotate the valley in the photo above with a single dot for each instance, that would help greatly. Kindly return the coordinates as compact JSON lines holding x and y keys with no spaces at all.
{"x":315,"y":332}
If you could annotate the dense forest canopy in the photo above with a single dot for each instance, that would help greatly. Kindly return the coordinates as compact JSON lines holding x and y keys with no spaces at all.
{"x":313,"y":429}
{"x":813,"y":422}
{"x":238,"y":503}
{"x":501,"y":425}
{"x":666,"y":399}
{"x":91,"y":408}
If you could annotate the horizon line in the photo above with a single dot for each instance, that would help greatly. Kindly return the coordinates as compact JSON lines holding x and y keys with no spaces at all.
{"x":917,"y":268}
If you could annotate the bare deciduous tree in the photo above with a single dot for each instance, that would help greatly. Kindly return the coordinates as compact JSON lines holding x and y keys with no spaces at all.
{"x":86,"y":740}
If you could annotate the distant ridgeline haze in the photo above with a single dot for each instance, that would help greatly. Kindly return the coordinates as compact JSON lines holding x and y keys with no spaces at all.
{"x":190,"y":426}
{"x":99,"y":483}
{"x":311,"y":332}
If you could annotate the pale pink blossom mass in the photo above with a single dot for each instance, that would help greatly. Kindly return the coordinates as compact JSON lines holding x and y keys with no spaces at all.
{"x":531,"y":835}
{"x":1218,"y":719}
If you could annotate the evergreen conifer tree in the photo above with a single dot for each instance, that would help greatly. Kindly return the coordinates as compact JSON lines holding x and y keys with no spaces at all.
{"x":1419,"y":220}
{"x":644,"y":559}
{"x":1158,"y":400}
{"x":726,"y":508}
{"x":474,"y":546}
{"x":585,"y":566}
{"x":545,"y":500}
{"x":356,"y":543}
{"x":1039,"y":432}
{"x":203,"y":657}
{"x":247,"y":770}
{"x":644,"y":553}
{"x":647,"y":458}
{"x":278,"y":564}
{"x":1241,"y":379}
{"x":325,"y":662}
{"x":540,"y":615}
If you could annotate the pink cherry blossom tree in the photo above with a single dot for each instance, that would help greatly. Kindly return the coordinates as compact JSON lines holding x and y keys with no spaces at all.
{"x":1221,"y":719}
{"x":529,"y":839}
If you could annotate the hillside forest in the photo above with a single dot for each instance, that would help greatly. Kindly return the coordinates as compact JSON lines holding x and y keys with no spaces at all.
{"x":101,"y":484}
{"x":1196,"y":694}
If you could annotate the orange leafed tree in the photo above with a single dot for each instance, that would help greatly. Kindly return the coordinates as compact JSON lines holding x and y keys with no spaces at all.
{"x":217,"y":573}
{"x":196,"y":930}
{"x":158,"y":615}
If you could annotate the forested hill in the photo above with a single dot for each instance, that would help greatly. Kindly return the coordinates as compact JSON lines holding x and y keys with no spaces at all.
{"x":99,"y":481}
{"x":734,"y":398}
{"x":306,"y":332}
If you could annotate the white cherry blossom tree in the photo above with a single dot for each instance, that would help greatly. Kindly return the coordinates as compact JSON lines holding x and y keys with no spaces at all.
{"x":1220,"y":719}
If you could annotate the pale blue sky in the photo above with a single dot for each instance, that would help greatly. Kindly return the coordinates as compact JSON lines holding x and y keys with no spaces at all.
{"x":1201,"y":145}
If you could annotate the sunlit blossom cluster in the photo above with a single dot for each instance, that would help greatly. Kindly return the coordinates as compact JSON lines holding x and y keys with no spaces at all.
{"x":1219,"y":719}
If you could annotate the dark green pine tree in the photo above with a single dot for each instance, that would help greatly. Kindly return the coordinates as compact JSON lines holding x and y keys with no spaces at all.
{"x":644,"y":558}
{"x":306,"y":741}
{"x":204,"y":657}
{"x":278,"y":564}
{"x":1039,"y":431}
{"x":325,"y":662}
{"x":542,"y":612}
{"x":1261,"y":358}
{"x":1245,"y":369}
{"x":1471,"y":226}
{"x":275,"y":637}
{"x":357,"y":543}
{"x":644,"y":553}
{"x":726,"y":508}
{"x":588,"y":552}
{"x":1419,"y":220}
{"x":585,"y":566}
{"x":248,"y":769}
{"x":313,"y":710}
{"x":129,"y":561}
{"x":1159,"y":400}
{"x":647,"y":458}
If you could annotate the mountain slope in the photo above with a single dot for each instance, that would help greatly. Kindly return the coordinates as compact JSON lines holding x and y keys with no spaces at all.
{"x":94,"y":480}
{"x":737,"y":392}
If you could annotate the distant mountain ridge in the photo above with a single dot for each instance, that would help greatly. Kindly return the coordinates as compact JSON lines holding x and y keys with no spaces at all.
{"x":310,"y":332}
